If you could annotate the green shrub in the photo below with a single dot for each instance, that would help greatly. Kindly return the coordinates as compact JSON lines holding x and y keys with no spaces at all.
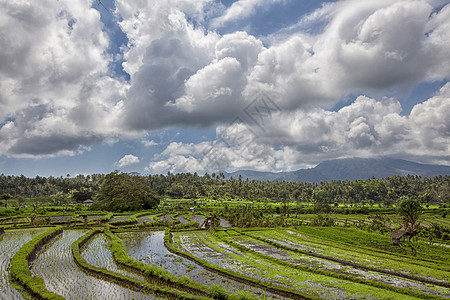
{"x":218,"y":292}
{"x":243,"y":295}
{"x":106,"y":218}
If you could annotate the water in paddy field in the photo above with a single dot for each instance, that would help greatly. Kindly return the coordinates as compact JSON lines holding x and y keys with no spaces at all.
{"x":10,"y":243}
{"x":149,"y":248}
{"x":97,"y":254}
{"x":62,"y":276}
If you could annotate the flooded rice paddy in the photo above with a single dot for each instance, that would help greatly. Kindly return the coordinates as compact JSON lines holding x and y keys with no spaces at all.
{"x":206,"y":246}
{"x":324,"y":264}
{"x":145,"y":219}
{"x":246,"y":255}
{"x":149,"y":248}
{"x":166,"y":218}
{"x":199,"y":220}
{"x":183,"y":221}
{"x":119,"y":219}
{"x":55,"y":264}
{"x":387,"y":262}
{"x":97,"y":254}
{"x":10,"y":243}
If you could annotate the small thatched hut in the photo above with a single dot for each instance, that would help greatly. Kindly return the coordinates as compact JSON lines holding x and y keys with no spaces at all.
{"x":398,"y":236}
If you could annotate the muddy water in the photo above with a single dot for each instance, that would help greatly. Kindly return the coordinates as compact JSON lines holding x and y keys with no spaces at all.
{"x":323,"y":264}
{"x":10,"y":243}
{"x":225,"y":223}
{"x":183,"y":221}
{"x":167,"y":218}
{"x":97,"y":254}
{"x":62,"y":276}
{"x":119,"y":218}
{"x":199,"y":220}
{"x":149,"y":248}
{"x":147,"y":219}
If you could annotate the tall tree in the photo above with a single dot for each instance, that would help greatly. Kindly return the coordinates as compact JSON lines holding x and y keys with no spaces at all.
{"x":410,"y":211}
{"x":123,"y":192}
{"x":6,"y":197}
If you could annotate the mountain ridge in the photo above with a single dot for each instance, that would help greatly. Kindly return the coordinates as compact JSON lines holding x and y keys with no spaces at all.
{"x":348,"y":168}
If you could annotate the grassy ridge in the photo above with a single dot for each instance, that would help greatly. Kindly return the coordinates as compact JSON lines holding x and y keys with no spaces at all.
{"x":257,"y":260}
{"x":359,"y":256}
{"x":162,"y":277}
{"x":120,"y":279}
{"x":283,"y":291}
{"x":20,"y":271}
{"x":370,"y":242}
{"x":333,"y":274}
{"x":151,"y":271}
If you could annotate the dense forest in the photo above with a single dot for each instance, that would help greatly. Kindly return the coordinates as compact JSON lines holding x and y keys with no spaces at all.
{"x":386,"y":191}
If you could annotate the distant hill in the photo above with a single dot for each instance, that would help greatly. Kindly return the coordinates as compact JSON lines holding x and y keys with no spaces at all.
{"x":350,"y":168}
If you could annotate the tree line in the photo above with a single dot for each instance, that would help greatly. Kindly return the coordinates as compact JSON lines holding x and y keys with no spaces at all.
{"x":385,"y":191}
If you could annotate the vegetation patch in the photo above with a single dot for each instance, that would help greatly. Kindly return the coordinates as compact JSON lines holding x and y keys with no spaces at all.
{"x":316,"y":283}
{"x":155,"y":274}
{"x":352,"y":256}
{"x":10,"y":243}
{"x":337,"y":268}
{"x":20,"y":270}
{"x":120,"y":279}
{"x":278,"y":290}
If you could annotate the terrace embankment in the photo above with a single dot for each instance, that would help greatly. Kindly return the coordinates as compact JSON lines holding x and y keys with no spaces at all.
{"x":10,"y":243}
{"x":149,"y":248}
{"x":255,"y":284}
{"x":20,"y":265}
{"x":355,"y":265}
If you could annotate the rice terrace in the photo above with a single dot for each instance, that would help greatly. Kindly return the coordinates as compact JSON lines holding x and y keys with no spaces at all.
{"x":224,"y":149}
{"x":186,"y":236}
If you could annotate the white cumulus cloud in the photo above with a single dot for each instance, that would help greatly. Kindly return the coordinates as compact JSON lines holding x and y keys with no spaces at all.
{"x":127,"y":160}
{"x":289,"y":141}
{"x":58,"y":95}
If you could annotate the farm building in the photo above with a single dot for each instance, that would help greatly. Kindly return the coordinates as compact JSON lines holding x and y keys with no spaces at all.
{"x":398,"y":236}
{"x":88,"y":201}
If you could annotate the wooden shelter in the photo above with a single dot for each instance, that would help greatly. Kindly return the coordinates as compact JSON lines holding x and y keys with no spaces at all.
{"x":209,"y":223}
{"x":398,"y":236}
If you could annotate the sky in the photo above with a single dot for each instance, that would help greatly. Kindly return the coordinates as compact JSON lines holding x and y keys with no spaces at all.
{"x":205,"y":85}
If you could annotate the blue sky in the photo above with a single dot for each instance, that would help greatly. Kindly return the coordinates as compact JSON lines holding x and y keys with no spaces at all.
{"x":197,"y":86}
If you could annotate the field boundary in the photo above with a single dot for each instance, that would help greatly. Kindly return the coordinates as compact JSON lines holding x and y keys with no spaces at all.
{"x":368,"y":282}
{"x":20,"y":266}
{"x":241,"y":278}
{"x":347,"y":263}
{"x":128,"y":282}
{"x":373,"y":251}
{"x":122,"y":259}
